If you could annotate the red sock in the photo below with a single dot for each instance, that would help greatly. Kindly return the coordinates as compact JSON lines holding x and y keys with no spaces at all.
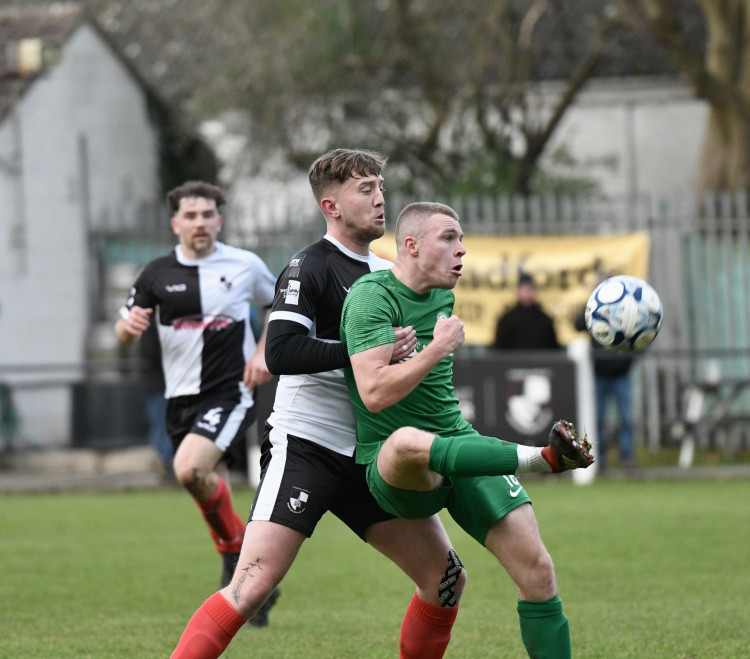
{"x":426,"y":630}
{"x":225,"y":525}
{"x":210,"y":630}
{"x":548,"y":453}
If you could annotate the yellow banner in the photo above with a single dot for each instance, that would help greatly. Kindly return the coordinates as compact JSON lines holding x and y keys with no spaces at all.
{"x":565,"y":270}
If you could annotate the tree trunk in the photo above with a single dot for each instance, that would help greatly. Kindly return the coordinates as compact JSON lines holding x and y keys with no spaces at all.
{"x":725,"y":160}
{"x":721,"y":78}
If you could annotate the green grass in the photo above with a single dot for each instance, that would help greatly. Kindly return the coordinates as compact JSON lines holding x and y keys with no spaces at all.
{"x":668,"y":457}
{"x":645,"y":569}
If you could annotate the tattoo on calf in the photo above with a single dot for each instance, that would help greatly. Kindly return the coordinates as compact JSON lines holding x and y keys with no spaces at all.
{"x":247,"y":573}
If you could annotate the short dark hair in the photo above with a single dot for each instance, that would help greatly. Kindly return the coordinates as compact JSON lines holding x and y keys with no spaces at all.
{"x":339,"y":165}
{"x":195,"y":189}
{"x":525,"y":278}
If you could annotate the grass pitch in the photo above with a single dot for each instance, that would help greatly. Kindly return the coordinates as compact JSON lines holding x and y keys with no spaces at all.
{"x":645,"y":569}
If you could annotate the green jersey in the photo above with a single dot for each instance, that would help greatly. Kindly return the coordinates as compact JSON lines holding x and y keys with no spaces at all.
{"x":375,"y":304}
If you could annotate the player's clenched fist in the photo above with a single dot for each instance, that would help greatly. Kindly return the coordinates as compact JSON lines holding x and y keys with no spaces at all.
{"x":449,"y":334}
{"x":138,"y":320}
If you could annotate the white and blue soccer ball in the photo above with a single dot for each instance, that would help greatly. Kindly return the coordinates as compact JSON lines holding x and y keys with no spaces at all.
{"x":624,"y":314}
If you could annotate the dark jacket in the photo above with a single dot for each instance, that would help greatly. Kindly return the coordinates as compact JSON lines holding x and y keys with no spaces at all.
{"x":525,"y":328}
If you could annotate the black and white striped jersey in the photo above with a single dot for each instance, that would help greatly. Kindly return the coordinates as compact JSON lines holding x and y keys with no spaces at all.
{"x":303,"y":346}
{"x":202,"y":311}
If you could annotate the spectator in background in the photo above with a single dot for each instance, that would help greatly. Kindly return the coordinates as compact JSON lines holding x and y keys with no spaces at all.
{"x":154,"y":403}
{"x":612,"y":380}
{"x":9,"y":419}
{"x":525,"y":326}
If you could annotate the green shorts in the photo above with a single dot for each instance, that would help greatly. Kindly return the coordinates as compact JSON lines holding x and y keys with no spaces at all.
{"x":475,"y":503}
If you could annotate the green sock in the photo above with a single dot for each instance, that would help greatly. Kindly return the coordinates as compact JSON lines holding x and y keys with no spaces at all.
{"x":544,"y":629}
{"x":462,"y":457}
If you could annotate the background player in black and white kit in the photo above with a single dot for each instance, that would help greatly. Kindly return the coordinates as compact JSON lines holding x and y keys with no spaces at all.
{"x":199,"y":298}
{"x":307,"y":461}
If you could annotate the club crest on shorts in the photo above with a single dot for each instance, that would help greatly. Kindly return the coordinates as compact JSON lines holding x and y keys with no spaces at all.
{"x":297,"y":500}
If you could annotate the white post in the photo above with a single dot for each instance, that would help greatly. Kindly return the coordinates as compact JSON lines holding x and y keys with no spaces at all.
{"x":253,"y":456}
{"x":579,"y":351}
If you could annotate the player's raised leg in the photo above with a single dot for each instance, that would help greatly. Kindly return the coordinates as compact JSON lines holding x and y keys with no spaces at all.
{"x":414,"y":459}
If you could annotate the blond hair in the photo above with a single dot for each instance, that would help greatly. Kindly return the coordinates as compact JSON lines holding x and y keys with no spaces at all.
{"x":411,"y":219}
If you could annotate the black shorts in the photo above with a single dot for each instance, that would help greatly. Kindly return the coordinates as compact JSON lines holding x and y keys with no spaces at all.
{"x":300,"y":481}
{"x":223,"y":420}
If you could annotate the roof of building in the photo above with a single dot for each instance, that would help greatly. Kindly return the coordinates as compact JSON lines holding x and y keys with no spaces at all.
{"x":31,"y":40}
{"x":33,"y":36}
{"x":20,"y":28}
{"x":54,"y":22}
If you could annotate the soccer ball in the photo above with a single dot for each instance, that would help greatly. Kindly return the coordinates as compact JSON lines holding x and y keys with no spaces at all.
{"x":624,"y":314}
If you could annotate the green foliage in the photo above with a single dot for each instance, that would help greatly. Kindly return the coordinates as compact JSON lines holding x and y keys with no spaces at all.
{"x":561,"y":174}
{"x":490,"y":173}
{"x":497,"y":174}
{"x":645,"y":569}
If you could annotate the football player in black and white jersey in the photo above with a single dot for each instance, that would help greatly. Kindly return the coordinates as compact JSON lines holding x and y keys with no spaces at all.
{"x":307,"y":463}
{"x":199,"y":297}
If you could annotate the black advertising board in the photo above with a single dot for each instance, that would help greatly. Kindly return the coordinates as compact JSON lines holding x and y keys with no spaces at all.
{"x":516,"y":396}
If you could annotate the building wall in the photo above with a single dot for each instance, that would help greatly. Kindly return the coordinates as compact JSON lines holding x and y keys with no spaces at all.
{"x":640,"y":136}
{"x":87,"y":149}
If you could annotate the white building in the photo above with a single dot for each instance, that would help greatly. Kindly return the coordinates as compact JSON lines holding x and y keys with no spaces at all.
{"x":78,"y":147}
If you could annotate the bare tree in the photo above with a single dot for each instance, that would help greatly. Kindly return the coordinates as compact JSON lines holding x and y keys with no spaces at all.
{"x":457,"y":93}
{"x":480,"y":78}
{"x":461,"y":95}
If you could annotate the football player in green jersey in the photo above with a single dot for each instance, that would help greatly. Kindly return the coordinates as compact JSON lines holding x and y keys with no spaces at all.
{"x":421,"y":455}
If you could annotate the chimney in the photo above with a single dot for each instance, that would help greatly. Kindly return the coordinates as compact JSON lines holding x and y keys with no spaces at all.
{"x":29,"y":56}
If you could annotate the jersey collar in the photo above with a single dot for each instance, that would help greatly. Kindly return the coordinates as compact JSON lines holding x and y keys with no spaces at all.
{"x":347,"y":251}
{"x":184,"y":260}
